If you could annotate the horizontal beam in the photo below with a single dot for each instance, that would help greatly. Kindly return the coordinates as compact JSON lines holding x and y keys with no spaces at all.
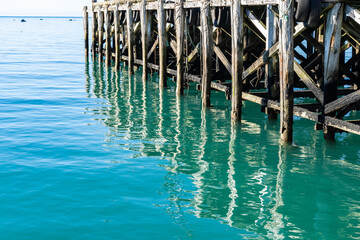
{"x":342,"y":102}
{"x":352,"y":13}
{"x":304,"y":113}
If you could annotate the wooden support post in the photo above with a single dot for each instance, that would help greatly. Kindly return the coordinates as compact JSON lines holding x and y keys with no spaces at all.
{"x":286,"y":59}
{"x":206,"y":46}
{"x":123,"y":41}
{"x":130,"y":31}
{"x":357,"y":64}
{"x":332,"y":44}
{"x":86,"y":32}
{"x":117,"y":37}
{"x":179,"y":25}
{"x":144,"y":37}
{"x":162,"y":44}
{"x":94,"y":31}
{"x":101,"y":33}
{"x":107,"y":37}
{"x":237,"y":33}
{"x":269,"y":67}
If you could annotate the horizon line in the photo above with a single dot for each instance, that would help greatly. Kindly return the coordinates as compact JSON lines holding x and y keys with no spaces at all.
{"x":39,"y":16}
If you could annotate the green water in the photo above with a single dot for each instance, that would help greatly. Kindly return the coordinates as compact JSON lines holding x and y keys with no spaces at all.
{"x":91,"y":153}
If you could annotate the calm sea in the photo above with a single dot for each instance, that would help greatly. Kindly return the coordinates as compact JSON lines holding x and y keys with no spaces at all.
{"x":90,"y":153}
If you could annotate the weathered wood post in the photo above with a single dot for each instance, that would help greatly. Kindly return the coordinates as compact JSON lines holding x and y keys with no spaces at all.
{"x":94,"y":31}
{"x":269,"y":67}
{"x":162,"y":44}
{"x":86,"y":32}
{"x":117,"y":37}
{"x":101,"y":33}
{"x":237,"y":42}
{"x":123,"y":40}
{"x":206,"y":46}
{"x":332,"y":44}
{"x":179,"y":25}
{"x":144,"y":37}
{"x":130,"y":31}
{"x":357,"y":64}
{"x":286,"y":59}
{"x":107,"y":37}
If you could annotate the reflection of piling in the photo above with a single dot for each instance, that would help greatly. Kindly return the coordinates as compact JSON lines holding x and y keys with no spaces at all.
{"x":249,"y":53}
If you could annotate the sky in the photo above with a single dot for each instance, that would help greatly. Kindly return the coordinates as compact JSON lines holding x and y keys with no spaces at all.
{"x":72,"y":8}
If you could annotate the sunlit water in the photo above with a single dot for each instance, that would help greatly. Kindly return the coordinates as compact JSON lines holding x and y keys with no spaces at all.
{"x":90,"y":153}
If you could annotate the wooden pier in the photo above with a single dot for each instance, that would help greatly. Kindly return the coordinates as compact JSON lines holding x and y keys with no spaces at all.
{"x":290,"y":58}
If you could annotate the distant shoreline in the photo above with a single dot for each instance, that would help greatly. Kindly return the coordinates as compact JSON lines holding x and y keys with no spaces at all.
{"x":39,"y":17}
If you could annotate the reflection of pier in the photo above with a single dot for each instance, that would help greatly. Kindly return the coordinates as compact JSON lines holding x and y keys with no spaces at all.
{"x":236,"y":177}
{"x":250,"y":50}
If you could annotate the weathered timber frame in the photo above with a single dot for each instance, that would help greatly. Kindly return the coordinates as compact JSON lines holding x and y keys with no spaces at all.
{"x":263,"y":56}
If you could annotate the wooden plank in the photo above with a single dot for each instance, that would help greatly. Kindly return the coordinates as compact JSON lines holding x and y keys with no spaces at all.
{"x":353,"y":13}
{"x":286,"y":60}
{"x":86,"y":31}
{"x":152,"y":49}
{"x":144,"y":37}
{"x":257,"y":23}
{"x":259,"y":2}
{"x":342,"y":102}
{"x":332,"y":44}
{"x":206,"y":46}
{"x":237,"y":46}
{"x":190,"y":77}
{"x":179,"y":25}
{"x":162,"y":44}
{"x":173,"y":46}
{"x":190,"y":4}
{"x":304,"y":113}
{"x":156,"y":43}
{"x":195,"y":54}
{"x":306,"y":93}
{"x":309,"y":82}
{"x":222,"y":58}
{"x":261,"y":60}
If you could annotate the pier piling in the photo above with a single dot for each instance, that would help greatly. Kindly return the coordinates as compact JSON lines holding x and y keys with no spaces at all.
{"x":179,"y":25}
{"x":144,"y":37}
{"x":130,"y":37}
{"x":286,"y":58}
{"x":93,"y":33}
{"x":162,"y":44}
{"x":237,"y":33}
{"x":86,"y":31}
{"x":117,"y":36}
{"x":108,"y":54}
{"x":101,"y":33}
{"x":206,"y":51}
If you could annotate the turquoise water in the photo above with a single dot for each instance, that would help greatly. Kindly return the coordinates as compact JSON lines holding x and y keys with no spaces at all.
{"x":90,"y":153}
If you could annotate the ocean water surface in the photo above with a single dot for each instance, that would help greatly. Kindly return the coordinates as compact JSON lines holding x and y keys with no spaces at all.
{"x":87,"y":152}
